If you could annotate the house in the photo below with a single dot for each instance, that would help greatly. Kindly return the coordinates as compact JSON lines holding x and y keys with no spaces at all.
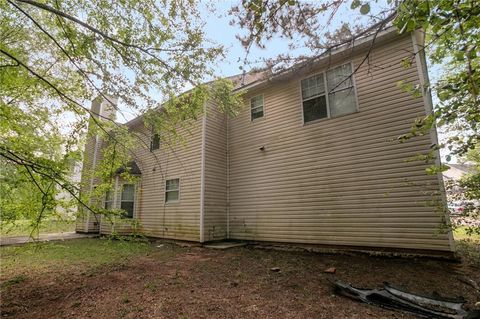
{"x":312,"y":158}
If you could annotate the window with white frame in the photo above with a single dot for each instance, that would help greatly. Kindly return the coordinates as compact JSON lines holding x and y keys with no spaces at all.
{"x":108,"y":202}
{"x":256,"y":107}
{"x":172,"y":190}
{"x":128,"y":200}
{"x":329,"y":94}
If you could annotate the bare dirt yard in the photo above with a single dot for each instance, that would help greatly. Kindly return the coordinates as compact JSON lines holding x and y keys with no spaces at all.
{"x":98,"y":278}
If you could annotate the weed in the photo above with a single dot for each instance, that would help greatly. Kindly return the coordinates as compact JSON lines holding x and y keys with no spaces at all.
{"x":151,"y":286}
{"x":15,"y":280}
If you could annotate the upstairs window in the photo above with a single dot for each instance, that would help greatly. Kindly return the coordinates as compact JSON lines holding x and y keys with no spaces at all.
{"x":341,"y":93}
{"x":256,"y":107}
{"x":155,"y":142}
{"x":314,"y":100}
{"x":108,"y":202}
{"x":172,"y":190}
{"x":329,"y":94}
{"x":128,"y":200}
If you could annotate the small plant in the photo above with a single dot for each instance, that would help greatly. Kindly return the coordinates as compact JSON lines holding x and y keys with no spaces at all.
{"x":125,"y":298}
{"x":15,"y":280}
{"x":151,"y":286}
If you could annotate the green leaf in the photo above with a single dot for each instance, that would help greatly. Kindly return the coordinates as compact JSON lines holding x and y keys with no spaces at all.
{"x":365,"y":8}
{"x":355,"y":4}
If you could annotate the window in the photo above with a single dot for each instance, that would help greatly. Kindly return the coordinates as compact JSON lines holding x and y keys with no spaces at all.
{"x":337,"y":84}
{"x":341,"y":93}
{"x":256,"y":107}
{"x":128,"y":200}
{"x":155,"y":142}
{"x":108,"y":202}
{"x":314,"y":100}
{"x":172,"y":190}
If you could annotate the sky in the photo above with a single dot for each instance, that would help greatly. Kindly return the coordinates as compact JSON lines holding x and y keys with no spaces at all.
{"x":219,"y":30}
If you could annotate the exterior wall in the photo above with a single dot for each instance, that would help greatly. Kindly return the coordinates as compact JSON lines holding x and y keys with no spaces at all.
{"x":215,"y":193}
{"x":84,"y":223}
{"x":340,"y":181}
{"x":179,"y":220}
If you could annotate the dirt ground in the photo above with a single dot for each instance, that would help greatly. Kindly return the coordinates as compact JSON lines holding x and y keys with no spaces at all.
{"x":195,"y":282}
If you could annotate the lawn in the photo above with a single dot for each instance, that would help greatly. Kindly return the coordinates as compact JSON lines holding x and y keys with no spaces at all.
{"x":460,"y":233}
{"x":101,"y":278}
{"x":24,"y":227}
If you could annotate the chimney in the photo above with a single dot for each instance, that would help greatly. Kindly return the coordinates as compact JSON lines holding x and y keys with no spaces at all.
{"x":104,"y":107}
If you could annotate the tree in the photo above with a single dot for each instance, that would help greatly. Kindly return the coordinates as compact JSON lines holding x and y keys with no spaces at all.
{"x":55,"y":56}
{"x":452,"y":29}
{"x":469,"y":194}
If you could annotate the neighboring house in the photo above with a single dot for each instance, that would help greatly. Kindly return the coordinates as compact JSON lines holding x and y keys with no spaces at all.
{"x":457,"y":171}
{"x":311,"y":159}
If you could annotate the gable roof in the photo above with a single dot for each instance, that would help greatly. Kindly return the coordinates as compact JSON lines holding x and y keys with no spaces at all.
{"x":343,"y":51}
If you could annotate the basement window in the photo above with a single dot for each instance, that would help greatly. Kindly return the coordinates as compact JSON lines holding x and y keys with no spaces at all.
{"x":256,"y":107}
{"x":329,"y":94}
{"x":172,"y":190}
{"x":128,"y":200}
{"x":155,"y":142}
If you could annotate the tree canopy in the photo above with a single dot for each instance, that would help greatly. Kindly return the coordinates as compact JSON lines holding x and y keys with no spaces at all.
{"x":56,"y":56}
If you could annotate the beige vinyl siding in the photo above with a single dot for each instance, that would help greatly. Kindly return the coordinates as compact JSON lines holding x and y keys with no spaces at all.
{"x":180,"y":159}
{"x":215,"y":202}
{"x":340,"y":181}
{"x":86,"y":220}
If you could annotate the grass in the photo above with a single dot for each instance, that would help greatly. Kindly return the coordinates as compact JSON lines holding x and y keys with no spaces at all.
{"x":460,"y":233}
{"x":24,"y":227}
{"x":467,"y":246}
{"x":73,"y":255}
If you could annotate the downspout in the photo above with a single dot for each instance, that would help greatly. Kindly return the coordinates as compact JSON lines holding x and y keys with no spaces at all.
{"x":228,"y":177}
{"x":421,"y":62}
{"x":202,"y":173}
